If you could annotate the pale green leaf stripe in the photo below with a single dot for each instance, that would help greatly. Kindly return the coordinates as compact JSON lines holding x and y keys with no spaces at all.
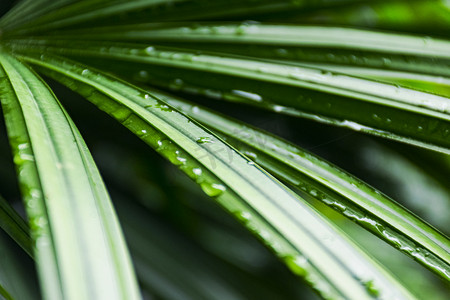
{"x":285,"y":35}
{"x":292,"y":43}
{"x":15,"y":226}
{"x":428,"y":83}
{"x":80,"y":251}
{"x":382,"y":109}
{"x":311,"y":247}
{"x":354,"y":199}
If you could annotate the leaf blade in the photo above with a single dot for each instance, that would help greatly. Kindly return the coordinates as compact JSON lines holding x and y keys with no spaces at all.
{"x":318,"y":44}
{"x":242,"y":188}
{"x":382,"y":109}
{"x":368,"y":207}
{"x":73,"y":239}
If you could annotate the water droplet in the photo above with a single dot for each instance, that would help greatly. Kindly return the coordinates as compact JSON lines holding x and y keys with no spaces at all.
{"x":247,"y":95}
{"x":370,"y":287}
{"x":282,"y":52}
{"x":177,"y":84}
{"x":386,"y":61}
{"x":143,"y":74}
{"x":204,"y":140}
{"x":263,"y":70}
{"x":38,"y":222}
{"x":181,"y":159}
{"x":213,"y":190}
{"x":32,"y":203}
{"x":243,"y":216}
{"x":23,"y":146}
{"x":85,"y":72}
{"x":376,"y":117}
{"x":163,"y":107}
{"x":213,"y":94}
{"x":251,"y":155}
{"x":298,"y":76}
{"x":330,"y":56}
{"x":278,"y":108}
{"x":352,"y":125}
{"x":246,"y":215}
{"x":297,"y":265}
{"x":150,"y":50}
{"x":134,"y":51}
{"x":240,"y":30}
{"x":197,"y":171}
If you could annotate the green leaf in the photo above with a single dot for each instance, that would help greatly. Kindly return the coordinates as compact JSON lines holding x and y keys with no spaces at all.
{"x":330,"y":185}
{"x":382,"y":109}
{"x":80,"y":250}
{"x":69,"y":13}
{"x":15,"y":226}
{"x":309,"y":246}
{"x":428,"y":83}
{"x":317,"y":44}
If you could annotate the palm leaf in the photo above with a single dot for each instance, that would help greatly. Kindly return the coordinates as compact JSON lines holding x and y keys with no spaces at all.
{"x":428,"y":83}
{"x":336,"y":45}
{"x":309,"y":246}
{"x":381,"y":109}
{"x":79,"y":246}
{"x":330,"y":185}
{"x":67,"y":13}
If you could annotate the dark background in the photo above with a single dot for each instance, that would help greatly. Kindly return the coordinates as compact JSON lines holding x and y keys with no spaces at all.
{"x":5,"y":5}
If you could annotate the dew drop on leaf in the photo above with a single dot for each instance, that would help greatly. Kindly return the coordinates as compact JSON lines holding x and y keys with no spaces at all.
{"x":150,"y":50}
{"x":204,"y":140}
{"x":371,"y":289}
{"x":213,"y":190}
